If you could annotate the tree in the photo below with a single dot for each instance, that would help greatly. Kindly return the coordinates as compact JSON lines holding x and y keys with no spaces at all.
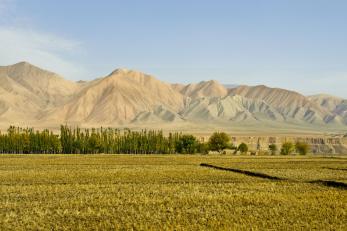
{"x":202,"y":148}
{"x":96,"y":140}
{"x":187,"y":144}
{"x":243,"y":148}
{"x":302,"y":148}
{"x":273,"y":148}
{"x":218,"y":141}
{"x":287,"y":148}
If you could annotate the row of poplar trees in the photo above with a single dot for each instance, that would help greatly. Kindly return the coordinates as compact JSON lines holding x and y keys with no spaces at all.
{"x":26,"y":140}
{"x":92,"y":141}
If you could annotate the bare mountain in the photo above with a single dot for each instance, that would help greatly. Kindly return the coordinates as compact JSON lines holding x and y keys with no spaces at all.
{"x":31,"y":96}
{"x":117,"y":98}
{"x":26,"y":90}
{"x":230,"y":108}
{"x":292,"y":105}
{"x":16,"y":102}
{"x":158,"y":114}
{"x":50,"y":87}
{"x":203,"y":89}
{"x":335,"y":105}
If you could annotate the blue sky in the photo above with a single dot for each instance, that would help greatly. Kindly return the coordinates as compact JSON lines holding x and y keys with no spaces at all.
{"x":295,"y":44}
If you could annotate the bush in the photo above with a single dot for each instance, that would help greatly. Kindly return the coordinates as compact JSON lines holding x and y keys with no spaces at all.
{"x":187,"y":144}
{"x":302,"y":148}
{"x":219,"y":141}
{"x":273,"y":148}
{"x":287,"y":148}
{"x":243,"y":148}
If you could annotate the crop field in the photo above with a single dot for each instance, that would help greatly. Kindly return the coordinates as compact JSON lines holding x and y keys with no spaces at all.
{"x":172,"y":192}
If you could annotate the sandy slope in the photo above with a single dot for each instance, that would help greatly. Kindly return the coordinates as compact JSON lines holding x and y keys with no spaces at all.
{"x":117,"y":98}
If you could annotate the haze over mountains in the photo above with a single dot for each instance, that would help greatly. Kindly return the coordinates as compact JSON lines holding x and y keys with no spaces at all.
{"x":30,"y":96}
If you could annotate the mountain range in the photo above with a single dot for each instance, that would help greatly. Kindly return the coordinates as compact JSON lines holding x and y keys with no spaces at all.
{"x":31,"y":96}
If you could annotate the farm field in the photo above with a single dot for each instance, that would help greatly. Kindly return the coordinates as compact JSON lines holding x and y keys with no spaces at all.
{"x":173,"y":192}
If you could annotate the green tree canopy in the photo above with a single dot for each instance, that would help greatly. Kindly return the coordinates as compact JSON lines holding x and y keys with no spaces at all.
{"x":287,"y":148}
{"x":219,"y":141}
{"x":243,"y":148}
{"x":187,"y":144}
{"x":302,"y":148}
{"x":273,"y":148}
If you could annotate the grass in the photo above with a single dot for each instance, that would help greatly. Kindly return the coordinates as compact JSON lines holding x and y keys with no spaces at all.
{"x":147,"y":192}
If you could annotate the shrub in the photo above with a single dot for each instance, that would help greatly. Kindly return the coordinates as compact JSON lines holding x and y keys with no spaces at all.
{"x":273,"y":148}
{"x":243,"y":148}
{"x":287,"y":148}
{"x":219,"y":141}
{"x":302,"y":148}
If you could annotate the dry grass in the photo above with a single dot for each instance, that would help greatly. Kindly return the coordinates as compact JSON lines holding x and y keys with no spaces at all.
{"x":64,"y":192}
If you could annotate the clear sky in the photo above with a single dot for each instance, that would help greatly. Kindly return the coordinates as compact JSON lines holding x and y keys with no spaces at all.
{"x":294,"y":44}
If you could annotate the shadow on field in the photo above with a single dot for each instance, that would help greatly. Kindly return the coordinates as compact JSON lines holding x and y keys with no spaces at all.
{"x":248,"y":173}
{"x":327,"y":183}
{"x":330,"y":183}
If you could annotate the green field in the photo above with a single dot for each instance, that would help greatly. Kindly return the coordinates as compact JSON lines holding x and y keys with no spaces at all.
{"x":170,"y":192}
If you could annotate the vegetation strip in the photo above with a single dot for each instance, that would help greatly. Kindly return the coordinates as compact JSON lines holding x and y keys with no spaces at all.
{"x":248,"y":173}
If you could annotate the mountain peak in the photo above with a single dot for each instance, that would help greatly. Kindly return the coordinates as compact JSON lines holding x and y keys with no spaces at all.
{"x":131,"y":75}
{"x":24,"y":64}
{"x":21,"y":63}
{"x":203,"y":89}
{"x":25,"y":68}
{"x":209,"y":82}
{"x":120,"y":71}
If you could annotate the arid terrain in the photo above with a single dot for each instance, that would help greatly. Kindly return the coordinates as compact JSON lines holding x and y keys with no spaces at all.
{"x":30,"y":96}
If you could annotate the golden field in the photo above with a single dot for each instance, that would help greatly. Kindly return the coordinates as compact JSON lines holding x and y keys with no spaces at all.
{"x":171,"y":192}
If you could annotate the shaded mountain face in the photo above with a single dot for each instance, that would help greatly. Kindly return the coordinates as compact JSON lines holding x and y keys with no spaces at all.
{"x":230,"y":108}
{"x":292,"y":105}
{"x":31,"y":96}
{"x":158,"y":114}
{"x":333,"y":104}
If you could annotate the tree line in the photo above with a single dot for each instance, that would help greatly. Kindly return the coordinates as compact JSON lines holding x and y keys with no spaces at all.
{"x":114,"y":141}
{"x":92,"y":141}
{"x":26,"y":140}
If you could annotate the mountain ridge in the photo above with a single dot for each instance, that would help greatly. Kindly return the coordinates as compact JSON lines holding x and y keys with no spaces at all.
{"x":33,"y":96}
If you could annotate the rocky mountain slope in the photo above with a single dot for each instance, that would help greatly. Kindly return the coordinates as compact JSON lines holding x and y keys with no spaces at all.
{"x":333,"y":104}
{"x":292,"y":105}
{"x":31,"y":96}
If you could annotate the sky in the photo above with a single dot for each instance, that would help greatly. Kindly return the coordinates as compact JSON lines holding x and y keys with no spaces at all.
{"x":294,"y":44}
